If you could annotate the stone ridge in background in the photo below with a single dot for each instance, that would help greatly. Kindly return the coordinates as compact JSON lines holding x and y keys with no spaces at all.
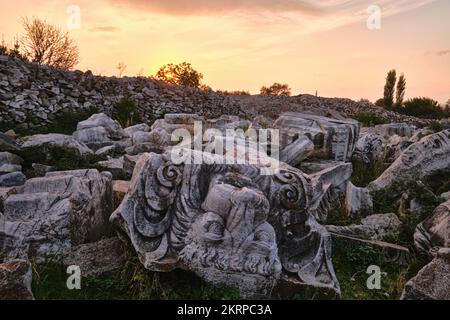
{"x":39,"y":93}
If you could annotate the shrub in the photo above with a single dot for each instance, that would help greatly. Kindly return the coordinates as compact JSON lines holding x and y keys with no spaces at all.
{"x":66,"y":122}
{"x":125,"y":111}
{"x":235,"y":92}
{"x":364,"y":173}
{"x":423,"y":108}
{"x":436,"y":126}
{"x":370,"y":119}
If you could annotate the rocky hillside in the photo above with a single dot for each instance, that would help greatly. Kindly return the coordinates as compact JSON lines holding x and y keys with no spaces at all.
{"x":32,"y":96}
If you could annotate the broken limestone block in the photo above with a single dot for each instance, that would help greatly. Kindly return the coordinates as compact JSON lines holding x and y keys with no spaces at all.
{"x":97,"y":259}
{"x":11,"y":133}
{"x":129,"y":162}
{"x":10,"y":158}
{"x":8,"y":168}
{"x":157,"y":136}
{"x":108,"y":151}
{"x":394,"y":147}
{"x":5,"y":193}
{"x":432,"y":282}
{"x":99,"y":120}
{"x":12,"y":179}
{"x":182,"y":118}
{"x":373,"y":227}
{"x":141,"y":148}
{"x":336,"y":137}
{"x":139,"y":127}
{"x":434,"y":233}
{"x":95,"y":138}
{"x":227,"y":223}
{"x":172,"y":122}
{"x":7,"y":143}
{"x":120,"y":189}
{"x":15,"y":280}
{"x":369,"y":147}
{"x":297,"y":151}
{"x":446,"y":196}
{"x":390,"y":129}
{"x":115,"y":167}
{"x":99,"y":131}
{"x":327,"y":187}
{"x":357,"y":199}
{"x":45,"y":144}
{"x":424,"y":158}
{"x":56,"y":212}
{"x":335,"y":173}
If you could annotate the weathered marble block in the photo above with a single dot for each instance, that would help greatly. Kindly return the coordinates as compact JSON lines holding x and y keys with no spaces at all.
{"x":434,"y":233}
{"x":336,"y":137}
{"x":421,"y":159}
{"x":99,"y":131}
{"x":56,"y":212}
{"x":227,"y":223}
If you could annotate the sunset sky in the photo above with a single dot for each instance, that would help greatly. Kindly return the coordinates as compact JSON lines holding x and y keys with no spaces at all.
{"x":244,"y":44}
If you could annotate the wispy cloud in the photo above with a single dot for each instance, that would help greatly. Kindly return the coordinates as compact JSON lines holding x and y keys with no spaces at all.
{"x":324,"y":7}
{"x":307,"y":15}
{"x":104,"y":29}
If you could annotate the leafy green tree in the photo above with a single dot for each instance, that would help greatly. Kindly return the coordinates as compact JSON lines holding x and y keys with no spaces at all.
{"x":401,"y":87}
{"x":277,"y":89}
{"x":181,"y":74}
{"x":389,"y":89}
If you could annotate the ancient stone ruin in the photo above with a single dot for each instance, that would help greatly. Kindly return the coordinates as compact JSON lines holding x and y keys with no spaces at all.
{"x":229,"y":224}
{"x":262,"y":210}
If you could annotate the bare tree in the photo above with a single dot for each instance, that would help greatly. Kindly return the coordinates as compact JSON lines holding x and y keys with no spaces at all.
{"x":121,"y":67}
{"x":46,"y":44}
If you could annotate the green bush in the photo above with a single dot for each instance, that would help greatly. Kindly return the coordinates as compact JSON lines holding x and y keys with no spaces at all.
{"x":66,"y":122}
{"x":370,"y":119}
{"x":59,"y":158}
{"x":436,"y":126}
{"x":423,"y":108}
{"x":364,"y":173}
{"x":126,"y":113}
